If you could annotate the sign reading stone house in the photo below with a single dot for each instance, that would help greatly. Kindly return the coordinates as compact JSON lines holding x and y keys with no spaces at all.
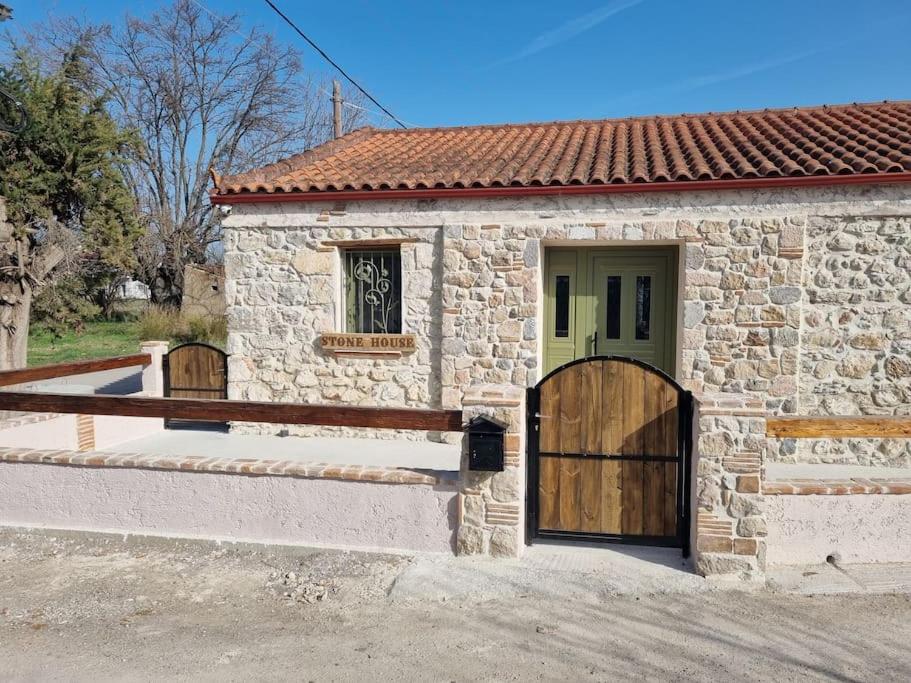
{"x":368,"y":343}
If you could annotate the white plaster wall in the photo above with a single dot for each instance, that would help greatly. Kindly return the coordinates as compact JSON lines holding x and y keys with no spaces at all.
{"x":282,"y":510}
{"x":56,"y":433}
{"x":860,"y":528}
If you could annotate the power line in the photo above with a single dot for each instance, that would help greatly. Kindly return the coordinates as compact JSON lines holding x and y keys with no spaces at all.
{"x":333,"y":63}
{"x":223,"y":21}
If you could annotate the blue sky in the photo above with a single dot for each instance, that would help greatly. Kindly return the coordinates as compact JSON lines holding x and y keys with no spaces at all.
{"x":467,"y":62}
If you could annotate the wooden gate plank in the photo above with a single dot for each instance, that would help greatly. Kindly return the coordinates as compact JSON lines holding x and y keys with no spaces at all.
{"x":612,"y":444}
{"x":548,"y":491}
{"x":611,"y":497}
{"x":549,"y":467}
{"x":590,"y":494}
{"x":590,"y":469}
{"x":653,"y":442}
{"x":570,"y":442}
{"x":591,"y":406}
{"x":633,"y":471}
{"x":671,"y":420}
{"x":670,"y":498}
{"x":612,"y":407}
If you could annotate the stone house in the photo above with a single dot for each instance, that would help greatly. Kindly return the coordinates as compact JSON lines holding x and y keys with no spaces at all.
{"x":763,"y":256}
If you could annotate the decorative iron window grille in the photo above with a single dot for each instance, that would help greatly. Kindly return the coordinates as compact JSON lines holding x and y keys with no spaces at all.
{"x":374,"y":291}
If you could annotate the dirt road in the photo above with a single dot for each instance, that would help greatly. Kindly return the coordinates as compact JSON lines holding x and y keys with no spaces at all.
{"x":103,"y":609}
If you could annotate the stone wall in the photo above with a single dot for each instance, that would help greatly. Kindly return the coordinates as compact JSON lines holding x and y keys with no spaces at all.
{"x":741,"y":301}
{"x":492,"y":504}
{"x":284,"y":290}
{"x":856,"y":334}
{"x":730,"y":450}
{"x":786,"y":297}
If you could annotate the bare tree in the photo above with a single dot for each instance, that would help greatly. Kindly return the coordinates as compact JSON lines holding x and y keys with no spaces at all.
{"x":202,"y":93}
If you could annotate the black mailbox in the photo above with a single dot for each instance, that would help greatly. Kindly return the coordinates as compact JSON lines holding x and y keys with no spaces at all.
{"x":485,"y":444}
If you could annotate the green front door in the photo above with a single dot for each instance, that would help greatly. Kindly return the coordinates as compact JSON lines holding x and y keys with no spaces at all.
{"x":618,"y":302}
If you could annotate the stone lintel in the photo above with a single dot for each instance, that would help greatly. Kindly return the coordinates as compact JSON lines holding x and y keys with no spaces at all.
{"x":493,"y":395}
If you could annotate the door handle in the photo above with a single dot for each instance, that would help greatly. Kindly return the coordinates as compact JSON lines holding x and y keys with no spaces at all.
{"x":595,"y":343}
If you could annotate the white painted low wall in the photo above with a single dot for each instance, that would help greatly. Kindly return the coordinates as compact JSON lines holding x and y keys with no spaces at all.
{"x":857,"y":528}
{"x":283,"y":510}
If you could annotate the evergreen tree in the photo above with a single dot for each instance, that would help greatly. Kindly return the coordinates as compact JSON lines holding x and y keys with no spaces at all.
{"x":67,"y":204}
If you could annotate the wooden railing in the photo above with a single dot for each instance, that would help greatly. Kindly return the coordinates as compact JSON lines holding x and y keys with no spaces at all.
{"x":237,"y":411}
{"x":80,"y":367}
{"x":839,"y":427}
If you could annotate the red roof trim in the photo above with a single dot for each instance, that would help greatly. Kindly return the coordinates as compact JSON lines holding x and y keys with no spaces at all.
{"x":550,"y":190}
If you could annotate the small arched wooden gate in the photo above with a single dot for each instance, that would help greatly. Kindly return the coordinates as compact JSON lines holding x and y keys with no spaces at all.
{"x":609,"y":454}
{"x":195,"y":370}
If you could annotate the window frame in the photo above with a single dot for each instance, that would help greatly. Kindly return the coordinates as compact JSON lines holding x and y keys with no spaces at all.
{"x":350,"y":318}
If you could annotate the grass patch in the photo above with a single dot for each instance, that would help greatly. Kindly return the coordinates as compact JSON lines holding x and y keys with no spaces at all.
{"x":100,"y":339}
{"x":119,"y":337}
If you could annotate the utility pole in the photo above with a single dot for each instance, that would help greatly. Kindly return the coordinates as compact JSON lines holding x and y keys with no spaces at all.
{"x":336,"y":109}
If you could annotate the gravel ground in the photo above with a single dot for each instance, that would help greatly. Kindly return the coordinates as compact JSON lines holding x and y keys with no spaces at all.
{"x":78,"y":608}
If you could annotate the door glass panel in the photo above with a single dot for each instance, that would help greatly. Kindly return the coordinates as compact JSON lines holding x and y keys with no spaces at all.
{"x":561,"y":312}
{"x":613,"y":307}
{"x":643,"y":306}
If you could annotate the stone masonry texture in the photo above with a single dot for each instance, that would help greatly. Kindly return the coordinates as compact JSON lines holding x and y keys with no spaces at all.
{"x":283,"y":290}
{"x":856,"y":334}
{"x":798,"y":299}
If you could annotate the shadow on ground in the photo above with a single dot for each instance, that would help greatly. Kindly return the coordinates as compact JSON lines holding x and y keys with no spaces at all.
{"x":77,"y":609}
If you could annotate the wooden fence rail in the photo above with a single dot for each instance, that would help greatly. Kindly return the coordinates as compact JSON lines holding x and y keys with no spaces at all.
{"x":840,"y":427}
{"x":238,"y":411}
{"x":80,"y":367}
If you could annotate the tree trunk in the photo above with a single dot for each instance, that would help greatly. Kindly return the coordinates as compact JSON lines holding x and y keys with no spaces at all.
{"x":166,"y":288}
{"x":14,"y":320}
{"x":23,"y":268}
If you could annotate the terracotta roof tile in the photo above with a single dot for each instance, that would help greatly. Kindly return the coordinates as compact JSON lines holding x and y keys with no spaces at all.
{"x":801,"y":142}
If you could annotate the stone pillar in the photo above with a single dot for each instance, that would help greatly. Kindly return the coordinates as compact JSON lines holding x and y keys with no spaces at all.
{"x":730,"y":451}
{"x":492,"y":504}
{"x":152,"y":374}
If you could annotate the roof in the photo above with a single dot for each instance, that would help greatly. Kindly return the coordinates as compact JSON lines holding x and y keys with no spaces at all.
{"x":633,"y":153}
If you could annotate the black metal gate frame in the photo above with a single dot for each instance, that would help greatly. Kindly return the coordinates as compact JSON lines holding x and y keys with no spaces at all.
{"x":683,"y":458}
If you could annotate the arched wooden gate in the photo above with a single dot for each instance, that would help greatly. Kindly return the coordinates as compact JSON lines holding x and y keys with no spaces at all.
{"x":195,"y":370}
{"x":609,"y":454}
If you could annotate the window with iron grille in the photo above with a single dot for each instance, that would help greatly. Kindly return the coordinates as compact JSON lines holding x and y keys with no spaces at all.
{"x":373,"y":298}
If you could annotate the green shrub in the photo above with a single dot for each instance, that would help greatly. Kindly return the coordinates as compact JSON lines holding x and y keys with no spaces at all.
{"x":202,"y":328}
{"x":159,"y":323}
{"x":168,"y":324}
{"x":127,"y":311}
{"x":218,"y":330}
